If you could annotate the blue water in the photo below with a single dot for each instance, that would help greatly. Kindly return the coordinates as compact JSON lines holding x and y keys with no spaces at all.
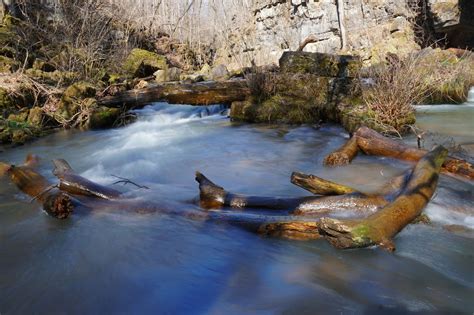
{"x":119,"y":262}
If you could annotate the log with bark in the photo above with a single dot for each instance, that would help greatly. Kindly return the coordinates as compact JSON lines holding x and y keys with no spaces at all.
{"x":75,"y":184}
{"x":54,"y":201}
{"x":380,"y":227}
{"x":372,"y":143}
{"x":201,"y":93}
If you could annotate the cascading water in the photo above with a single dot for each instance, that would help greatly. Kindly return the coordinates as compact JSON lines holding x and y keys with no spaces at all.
{"x":118,"y":262}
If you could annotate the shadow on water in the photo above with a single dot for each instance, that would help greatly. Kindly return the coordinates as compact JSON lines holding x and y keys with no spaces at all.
{"x":116,"y":262}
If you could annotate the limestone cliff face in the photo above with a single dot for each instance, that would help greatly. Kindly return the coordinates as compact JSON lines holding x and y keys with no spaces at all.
{"x":369,"y":28}
{"x":372,"y":27}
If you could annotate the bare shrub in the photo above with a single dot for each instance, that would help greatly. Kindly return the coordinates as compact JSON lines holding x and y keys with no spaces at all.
{"x":398,"y":84}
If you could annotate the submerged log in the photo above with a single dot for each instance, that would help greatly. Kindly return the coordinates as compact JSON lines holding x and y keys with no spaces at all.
{"x":77,"y":185}
{"x":373,"y":143}
{"x":55,"y":202}
{"x":380,"y":227}
{"x":201,"y":93}
{"x":213,"y":196}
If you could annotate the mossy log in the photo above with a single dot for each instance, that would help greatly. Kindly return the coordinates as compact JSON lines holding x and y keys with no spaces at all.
{"x":318,"y":185}
{"x":373,"y":143}
{"x":201,"y":93}
{"x":75,"y":184}
{"x":380,"y":227}
{"x":55,"y":202}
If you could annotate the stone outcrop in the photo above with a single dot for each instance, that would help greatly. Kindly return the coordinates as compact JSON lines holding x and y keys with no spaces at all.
{"x":309,"y":88}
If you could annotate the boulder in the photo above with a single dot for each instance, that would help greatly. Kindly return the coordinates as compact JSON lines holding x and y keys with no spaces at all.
{"x":219,"y":73}
{"x":321,"y":64}
{"x":71,"y":100}
{"x":142,"y":63}
{"x":36,"y":117}
{"x":8,"y":64}
{"x":103,"y":117}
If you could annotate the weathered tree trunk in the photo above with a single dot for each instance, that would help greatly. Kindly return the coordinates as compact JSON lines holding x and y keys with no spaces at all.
{"x":202,"y":93}
{"x":55,"y":202}
{"x":373,"y":143}
{"x":78,"y":185}
{"x":382,"y":226}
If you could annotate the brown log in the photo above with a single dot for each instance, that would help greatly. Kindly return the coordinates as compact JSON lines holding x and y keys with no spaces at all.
{"x":373,"y":143}
{"x":201,"y":93}
{"x":55,"y":202}
{"x":344,"y":155}
{"x":380,"y":227}
{"x":75,"y":184}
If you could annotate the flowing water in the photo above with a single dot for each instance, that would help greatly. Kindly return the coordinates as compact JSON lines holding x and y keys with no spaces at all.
{"x":122,"y":262}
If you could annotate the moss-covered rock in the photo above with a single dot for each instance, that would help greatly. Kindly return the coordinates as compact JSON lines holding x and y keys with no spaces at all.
{"x":321,"y":64}
{"x":13,"y":132}
{"x":103,"y":117}
{"x":7,"y":103}
{"x":72,"y":100}
{"x":142,"y":63}
{"x":53,"y":78}
{"x":21,"y":116}
{"x":36,"y":117}
{"x":44,"y":66}
{"x":294,"y":98}
{"x":8,"y":64}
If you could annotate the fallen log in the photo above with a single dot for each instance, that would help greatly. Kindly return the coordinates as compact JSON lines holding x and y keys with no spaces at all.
{"x":201,"y":93}
{"x":380,"y":227}
{"x":212,"y":196}
{"x":55,"y":202}
{"x":373,"y":143}
{"x":75,"y":184}
{"x":344,"y":155}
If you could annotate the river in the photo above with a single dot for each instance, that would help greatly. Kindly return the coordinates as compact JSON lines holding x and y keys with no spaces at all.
{"x":122,"y":262}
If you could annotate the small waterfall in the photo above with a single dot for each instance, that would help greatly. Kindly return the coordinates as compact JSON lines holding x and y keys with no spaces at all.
{"x":470,"y":95}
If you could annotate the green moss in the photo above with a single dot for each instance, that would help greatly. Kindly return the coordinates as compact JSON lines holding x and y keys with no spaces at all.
{"x":142,"y":63}
{"x":325,"y":65}
{"x":8,"y":64}
{"x":103,"y":117}
{"x":73,"y":97}
{"x":6,"y":101}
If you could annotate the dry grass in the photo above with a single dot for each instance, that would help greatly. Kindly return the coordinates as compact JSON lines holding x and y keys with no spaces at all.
{"x":395,"y":86}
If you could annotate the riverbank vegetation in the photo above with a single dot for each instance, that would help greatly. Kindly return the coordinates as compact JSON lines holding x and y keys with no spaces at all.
{"x":58,"y":59}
